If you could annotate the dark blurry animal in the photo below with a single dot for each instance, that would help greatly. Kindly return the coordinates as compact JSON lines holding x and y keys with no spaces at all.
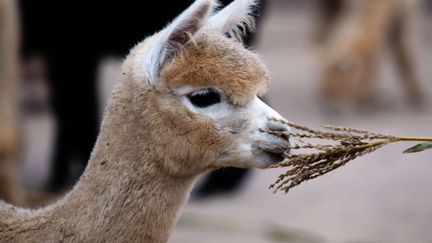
{"x":73,"y":38}
{"x":352,"y":33}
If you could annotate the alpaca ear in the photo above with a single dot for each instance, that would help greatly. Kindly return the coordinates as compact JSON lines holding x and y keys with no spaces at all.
{"x":176,"y":35}
{"x":235,"y":19}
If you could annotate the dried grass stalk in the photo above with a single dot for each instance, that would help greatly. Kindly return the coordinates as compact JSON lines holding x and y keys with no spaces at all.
{"x":316,"y":152}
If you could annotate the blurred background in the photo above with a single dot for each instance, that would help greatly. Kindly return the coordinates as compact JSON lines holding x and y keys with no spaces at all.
{"x":357,"y":63}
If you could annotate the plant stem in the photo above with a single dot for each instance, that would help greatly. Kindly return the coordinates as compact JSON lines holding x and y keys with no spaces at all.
{"x":421,"y":139}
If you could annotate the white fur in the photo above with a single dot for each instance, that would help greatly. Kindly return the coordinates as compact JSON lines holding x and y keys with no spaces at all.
{"x":247,"y":122}
{"x":237,"y":13}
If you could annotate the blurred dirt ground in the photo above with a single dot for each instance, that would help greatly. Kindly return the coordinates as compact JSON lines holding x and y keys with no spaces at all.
{"x":381,"y":197}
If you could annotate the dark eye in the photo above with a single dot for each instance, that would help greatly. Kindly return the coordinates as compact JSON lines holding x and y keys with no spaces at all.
{"x":205,"y":97}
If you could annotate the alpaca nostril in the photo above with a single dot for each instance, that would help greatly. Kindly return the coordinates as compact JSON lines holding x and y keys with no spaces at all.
{"x":277,"y":126}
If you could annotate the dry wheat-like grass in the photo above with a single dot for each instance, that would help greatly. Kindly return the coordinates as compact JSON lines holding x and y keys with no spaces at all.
{"x":317,"y":152}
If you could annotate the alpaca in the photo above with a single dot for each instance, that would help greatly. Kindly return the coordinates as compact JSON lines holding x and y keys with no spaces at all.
{"x":186,"y":104}
{"x":9,"y":132}
{"x":352,"y":34}
{"x":115,"y":37}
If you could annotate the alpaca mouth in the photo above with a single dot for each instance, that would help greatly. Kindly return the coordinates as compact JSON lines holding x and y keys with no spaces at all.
{"x":272,"y":152}
{"x":275,"y":157}
{"x":278,"y":145}
{"x":276,"y":152}
{"x":268,"y":156}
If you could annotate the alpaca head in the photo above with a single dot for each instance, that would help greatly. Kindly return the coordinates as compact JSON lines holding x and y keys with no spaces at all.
{"x":347,"y":72}
{"x":340,"y":79}
{"x":201,"y":92}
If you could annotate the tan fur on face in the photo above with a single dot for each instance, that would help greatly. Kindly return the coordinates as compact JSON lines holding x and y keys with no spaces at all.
{"x":181,"y":136}
{"x":213,"y":60}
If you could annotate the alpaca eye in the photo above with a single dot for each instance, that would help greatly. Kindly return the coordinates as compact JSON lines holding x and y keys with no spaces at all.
{"x":204,"y":98}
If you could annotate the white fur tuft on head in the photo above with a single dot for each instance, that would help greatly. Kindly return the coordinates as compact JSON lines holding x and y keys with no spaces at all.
{"x":176,"y":35}
{"x":235,"y":19}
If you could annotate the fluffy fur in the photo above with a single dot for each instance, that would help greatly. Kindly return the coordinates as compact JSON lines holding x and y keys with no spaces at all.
{"x":176,"y":35}
{"x":238,"y":72}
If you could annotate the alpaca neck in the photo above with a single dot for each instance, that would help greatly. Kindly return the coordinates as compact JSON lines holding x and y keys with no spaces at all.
{"x":124,"y":195}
